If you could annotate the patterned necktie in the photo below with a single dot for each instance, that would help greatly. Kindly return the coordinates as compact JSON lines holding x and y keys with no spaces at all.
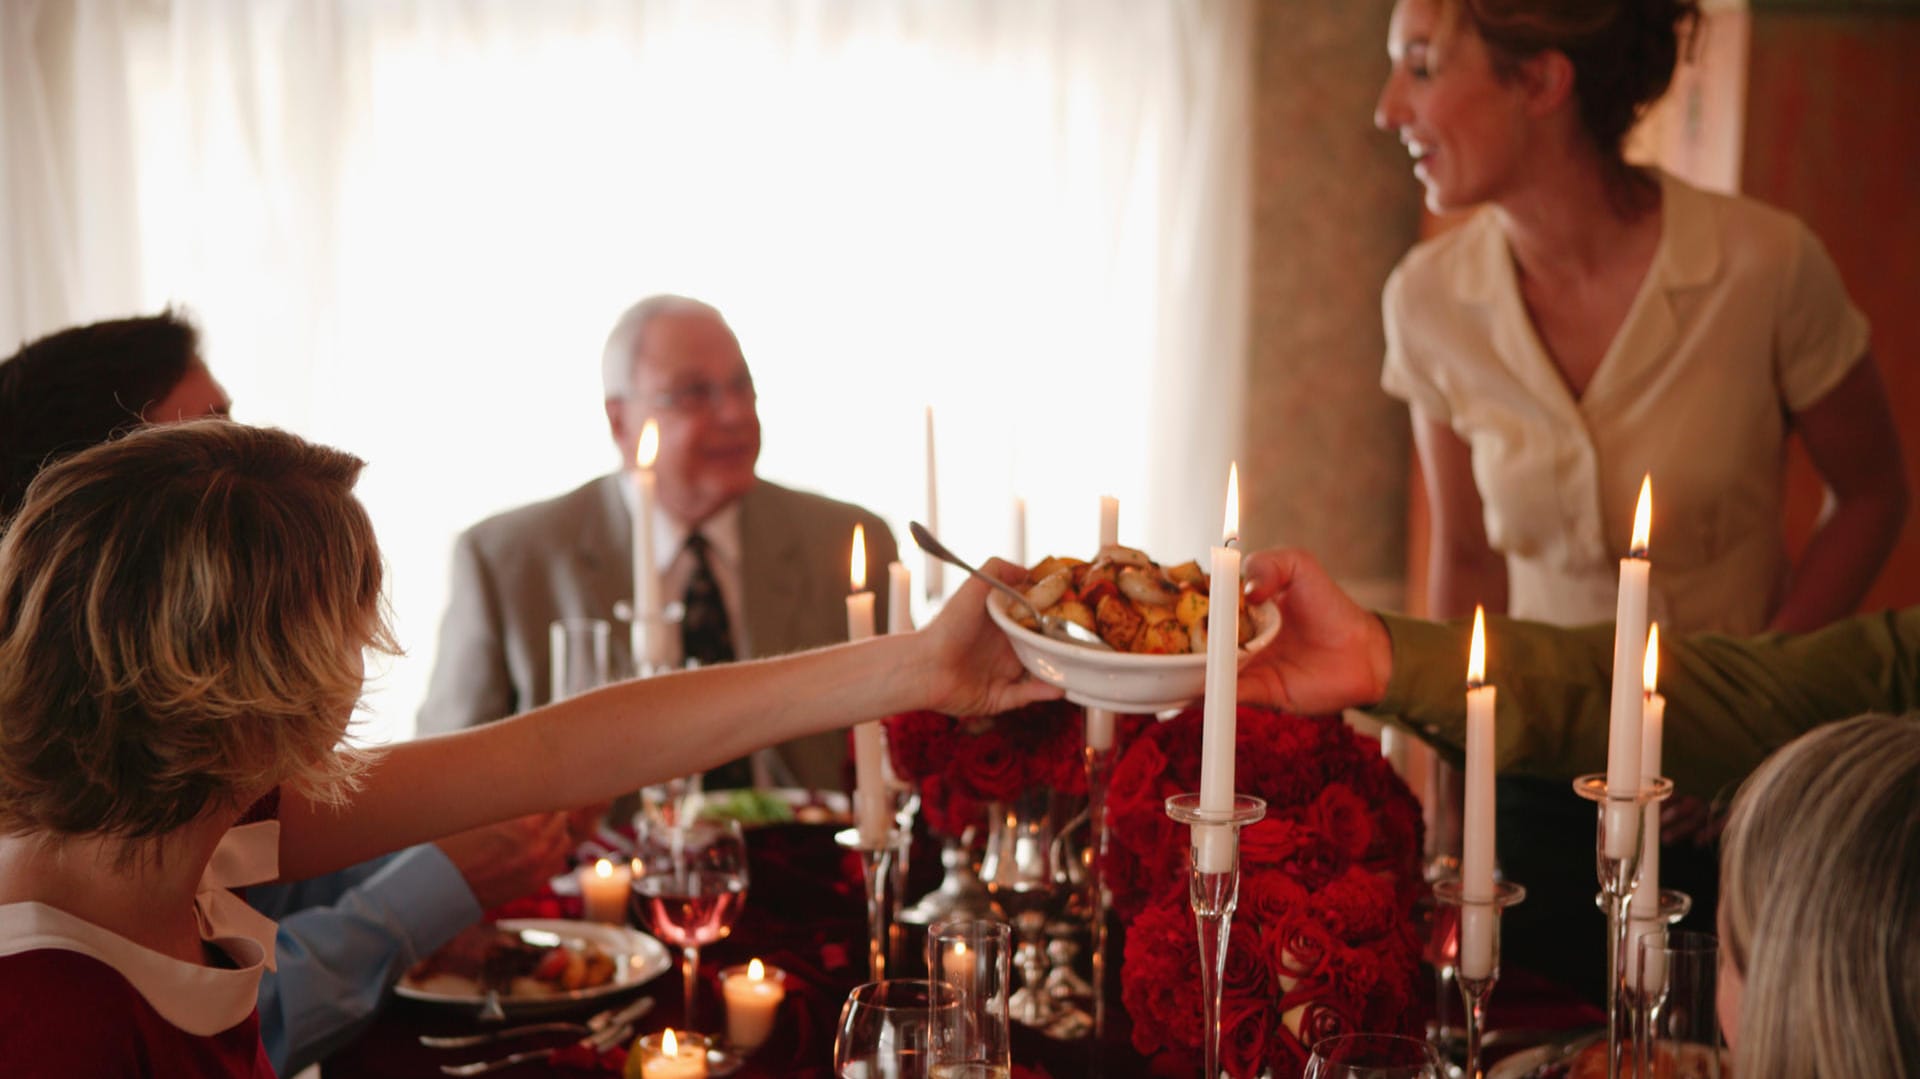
{"x":706,"y":638}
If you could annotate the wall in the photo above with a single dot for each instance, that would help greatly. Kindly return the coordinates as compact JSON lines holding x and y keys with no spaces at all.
{"x":1335,"y":206}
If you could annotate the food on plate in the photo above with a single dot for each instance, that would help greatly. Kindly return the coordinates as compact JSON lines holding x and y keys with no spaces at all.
{"x":485,"y":958}
{"x":1132,"y":602}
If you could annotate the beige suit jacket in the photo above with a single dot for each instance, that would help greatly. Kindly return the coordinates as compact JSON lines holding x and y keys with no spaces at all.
{"x":568,"y":557}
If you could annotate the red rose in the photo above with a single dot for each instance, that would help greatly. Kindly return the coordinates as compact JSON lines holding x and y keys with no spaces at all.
{"x":987,"y":767}
{"x":1267,"y":896}
{"x":920,"y":743}
{"x":1161,"y":988}
{"x":1318,"y":1020}
{"x":1359,"y":905}
{"x":1244,"y":1028}
{"x":1344,"y":819}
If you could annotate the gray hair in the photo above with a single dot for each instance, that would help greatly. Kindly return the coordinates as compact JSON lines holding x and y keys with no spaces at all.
{"x":616,"y":359}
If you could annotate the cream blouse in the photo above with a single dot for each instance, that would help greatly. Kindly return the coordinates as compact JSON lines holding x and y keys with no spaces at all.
{"x":1741,"y":321}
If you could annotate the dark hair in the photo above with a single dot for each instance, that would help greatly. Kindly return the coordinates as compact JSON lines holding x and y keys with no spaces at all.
{"x":1623,"y":51}
{"x":82,"y":386}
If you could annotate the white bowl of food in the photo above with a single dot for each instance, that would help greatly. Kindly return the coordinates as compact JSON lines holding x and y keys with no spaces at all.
{"x":1117,"y":680}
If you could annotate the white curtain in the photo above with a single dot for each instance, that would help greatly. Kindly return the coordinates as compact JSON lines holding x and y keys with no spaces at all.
{"x":405,"y":228}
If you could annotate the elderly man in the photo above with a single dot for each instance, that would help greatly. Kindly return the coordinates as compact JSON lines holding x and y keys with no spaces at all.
{"x":759,"y":569}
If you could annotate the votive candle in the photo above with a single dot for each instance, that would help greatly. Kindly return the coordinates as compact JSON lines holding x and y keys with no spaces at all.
{"x":753,"y":994}
{"x":604,"y":887}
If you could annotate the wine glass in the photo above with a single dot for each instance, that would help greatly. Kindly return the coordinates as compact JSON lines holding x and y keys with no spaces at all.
{"x":898,"y":1029}
{"x":1373,"y":1056}
{"x":689,"y":883}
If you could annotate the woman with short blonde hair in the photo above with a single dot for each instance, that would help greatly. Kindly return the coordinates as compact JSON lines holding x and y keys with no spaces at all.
{"x":183,"y":614}
{"x":1820,"y":906}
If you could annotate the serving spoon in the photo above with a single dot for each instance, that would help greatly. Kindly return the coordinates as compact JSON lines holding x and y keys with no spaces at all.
{"x":1060,"y":629}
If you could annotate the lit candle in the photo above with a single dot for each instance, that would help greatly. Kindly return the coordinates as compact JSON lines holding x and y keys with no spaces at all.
{"x":1646,"y":899}
{"x":1477,"y":837}
{"x":1099,"y":720}
{"x":1214,"y":845}
{"x":935,"y":582}
{"x":603,"y":890}
{"x":753,"y":994}
{"x":956,"y":965}
{"x":870,"y":802}
{"x":667,"y":1055}
{"x":649,"y":624}
{"x":899,"y":598}
{"x":1629,"y":644}
{"x":1019,"y":538}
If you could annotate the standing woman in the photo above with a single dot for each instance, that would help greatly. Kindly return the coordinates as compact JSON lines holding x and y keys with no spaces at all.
{"x":1594,"y":321}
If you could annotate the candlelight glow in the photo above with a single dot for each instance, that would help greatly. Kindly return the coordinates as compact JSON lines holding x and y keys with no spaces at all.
{"x":603,"y":869}
{"x":756,"y":970}
{"x":1650,"y":676}
{"x":1477,"y":655}
{"x":1230,"y":531}
{"x":857,"y":567}
{"x":649,"y":447}
{"x":669,"y":1045}
{"x":1642,"y":519}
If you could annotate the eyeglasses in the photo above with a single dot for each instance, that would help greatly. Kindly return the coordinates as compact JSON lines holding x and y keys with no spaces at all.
{"x":705,"y":396}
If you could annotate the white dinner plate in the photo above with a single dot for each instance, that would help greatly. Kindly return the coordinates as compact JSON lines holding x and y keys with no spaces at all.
{"x":637,"y":960}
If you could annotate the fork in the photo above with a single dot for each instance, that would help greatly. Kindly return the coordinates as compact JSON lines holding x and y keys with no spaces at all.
{"x":613,"y":1027}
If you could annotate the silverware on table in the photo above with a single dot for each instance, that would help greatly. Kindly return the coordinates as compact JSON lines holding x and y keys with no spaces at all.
{"x":609,"y":1029}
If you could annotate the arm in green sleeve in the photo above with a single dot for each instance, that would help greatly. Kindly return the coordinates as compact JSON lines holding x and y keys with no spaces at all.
{"x":1730,"y":701}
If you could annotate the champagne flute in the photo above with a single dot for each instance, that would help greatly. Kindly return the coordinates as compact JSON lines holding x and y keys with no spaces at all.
{"x":1373,"y":1056}
{"x":897,"y":1029}
{"x":689,"y":883}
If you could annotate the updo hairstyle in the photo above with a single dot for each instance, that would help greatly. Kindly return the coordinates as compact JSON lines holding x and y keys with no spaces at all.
{"x":1623,"y":51}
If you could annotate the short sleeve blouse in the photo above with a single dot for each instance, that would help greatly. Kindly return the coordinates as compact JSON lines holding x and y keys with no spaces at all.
{"x":1741,"y":321}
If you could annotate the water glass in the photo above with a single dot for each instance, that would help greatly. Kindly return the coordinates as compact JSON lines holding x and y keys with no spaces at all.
{"x":895,"y":1029}
{"x":1373,"y":1056}
{"x":581,"y":653}
{"x":971,"y":962}
{"x":1679,"y":1030}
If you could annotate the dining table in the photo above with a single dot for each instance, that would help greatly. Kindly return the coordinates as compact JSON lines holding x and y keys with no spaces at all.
{"x":806,"y":915}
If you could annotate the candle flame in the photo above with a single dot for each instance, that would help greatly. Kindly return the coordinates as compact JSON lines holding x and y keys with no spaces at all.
{"x":669,"y":1044}
{"x":756,"y":970}
{"x":1230,"y":530}
{"x":1477,"y":655}
{"x":1650,"y":672}
{"x":649,"y":447}
{"x":1642,"y":519}
{"x":960,"y":948}
{"x":603,"y":869}
{"x":857,"y":567}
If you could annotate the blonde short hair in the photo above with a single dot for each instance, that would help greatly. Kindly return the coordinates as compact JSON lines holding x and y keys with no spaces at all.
{"x":1820,"y":903}
{"x":183,"y":613}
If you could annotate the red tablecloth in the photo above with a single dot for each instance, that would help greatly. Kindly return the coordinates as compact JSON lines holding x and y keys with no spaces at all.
{"x":805,"y":914}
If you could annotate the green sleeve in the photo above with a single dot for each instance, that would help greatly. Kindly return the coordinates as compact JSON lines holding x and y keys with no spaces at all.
{"x":1730,"y":701}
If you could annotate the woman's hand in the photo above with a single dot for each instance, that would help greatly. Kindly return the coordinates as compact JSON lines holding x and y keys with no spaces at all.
{"x":974,"y":671}
{"x":1329,"y":654}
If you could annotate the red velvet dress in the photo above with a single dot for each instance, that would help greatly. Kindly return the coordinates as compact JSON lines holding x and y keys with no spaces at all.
{"x":68,"y":1014}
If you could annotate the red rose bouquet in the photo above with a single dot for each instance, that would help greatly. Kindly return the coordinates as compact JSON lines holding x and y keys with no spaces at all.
{"x":1323,"y":941}
{"x":963,"y":763}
